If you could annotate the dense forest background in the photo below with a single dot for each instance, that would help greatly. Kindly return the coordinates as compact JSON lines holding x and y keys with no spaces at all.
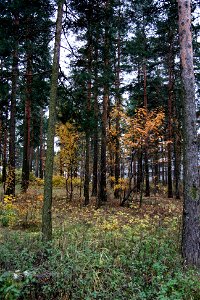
{"x":119,"y":90}
{"x":113,"y":105}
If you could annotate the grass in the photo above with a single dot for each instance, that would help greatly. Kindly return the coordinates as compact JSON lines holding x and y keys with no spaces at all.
{"x":110,"y":253}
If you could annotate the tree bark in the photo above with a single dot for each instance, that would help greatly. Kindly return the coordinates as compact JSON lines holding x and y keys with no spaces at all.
{"x":87,"y":170}
{"x":95,"y":148}
{"x":11,"y":166}
{"x":170,"y":101}
{"x":41,"y":153}
{"x":96,"y":131}
{"x":118,"y":104}
{"x":88,"y":108}
{"x":5,"y":144}
{"x":177,"y":160}
{"x":146,"y":155}
{"x":191,"y":211}
{"x":47,"y":206}
{"x":102,"y":196}
{"x":27,"y":115}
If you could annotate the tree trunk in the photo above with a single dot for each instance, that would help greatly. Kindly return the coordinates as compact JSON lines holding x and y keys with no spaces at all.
{"x":37,"y":162}
{"x":177,"y":161}
{"x":146,"y":156}
{"x":170,"y":100}
{"x":118,"y":104}
{"x":87,"y":170}
{"x":27,"y":116}
{"x":1,"y":136}
{"x":87,"y":134}
{"x":96,"y":131}
{"x":11,"y":166}
{"x":191,"y":211}
{"x":5,"y":143}
{"x":95,"y":157}
{"x":156,"y":169}
{"x":139,"y":169}
{"x":102,"y":196}
{"x":47,"y":207}
{"x":41,"y":167}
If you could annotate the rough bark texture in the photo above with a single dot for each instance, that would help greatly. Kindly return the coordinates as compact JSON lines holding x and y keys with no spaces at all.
{"x":191,"y":212}
{"x":47,"y":207}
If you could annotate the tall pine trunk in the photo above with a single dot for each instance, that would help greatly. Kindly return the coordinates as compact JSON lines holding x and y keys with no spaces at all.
{"x":102,"y":195}
{"x":47,"y":206}
{"x":191,"y":211}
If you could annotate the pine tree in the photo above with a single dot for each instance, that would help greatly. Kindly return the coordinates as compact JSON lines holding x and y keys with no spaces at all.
{"x":191,"y":213}
{"x":47,"y":214}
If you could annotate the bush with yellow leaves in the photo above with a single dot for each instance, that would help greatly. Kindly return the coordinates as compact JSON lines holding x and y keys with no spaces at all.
{"x":8,"y":212}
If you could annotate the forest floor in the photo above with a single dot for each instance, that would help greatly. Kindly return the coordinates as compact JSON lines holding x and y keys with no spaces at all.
{"x":109,"y":253}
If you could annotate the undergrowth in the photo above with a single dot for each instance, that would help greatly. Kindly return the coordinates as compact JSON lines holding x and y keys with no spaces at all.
{"x":90,"y":262}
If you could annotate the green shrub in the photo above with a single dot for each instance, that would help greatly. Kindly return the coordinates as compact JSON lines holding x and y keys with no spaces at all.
{"x":86,"y":262}
{"x":9,"y":288}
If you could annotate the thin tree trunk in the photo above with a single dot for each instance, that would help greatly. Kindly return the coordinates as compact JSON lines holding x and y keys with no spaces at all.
{"x":177,"y":162}
{"x":156,"y":170}
{"x":95,"y":157}
{"x":37,"y":162}
{"x":5,"y":144}
{"x":110,"y":150}
{"x":11,"y":166}
{"x":118,"y":104}
{"x":87,"y":170}
{"x":47,"y":207}
{"x":191,"y":211}
{"x":87,"y":135}
{"x":71,"y":183}
{"x":41,"y":166}
{"x":96,"y":131}
{"x":27,"y":124}
{"x":1,"y":135}
{"x":146,"y":156}
{"x":102,"y":196}
{"x":170,"y":100}
{"x":139,"y":169}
